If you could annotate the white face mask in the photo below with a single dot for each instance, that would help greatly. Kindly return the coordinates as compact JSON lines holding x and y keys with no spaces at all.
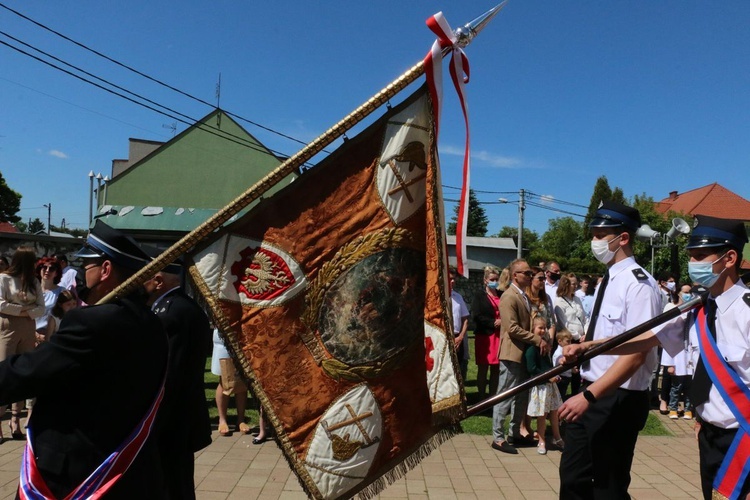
{"x":601,"y":251}
{"x":670,"y":286}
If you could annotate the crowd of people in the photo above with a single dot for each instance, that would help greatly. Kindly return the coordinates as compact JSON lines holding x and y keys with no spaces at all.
{"x":57,"y":357}
{"x":54,"y":355}
{"x":530,"y":318}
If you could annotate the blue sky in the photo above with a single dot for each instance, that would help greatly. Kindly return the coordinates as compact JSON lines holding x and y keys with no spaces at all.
{"x":654,"y":95}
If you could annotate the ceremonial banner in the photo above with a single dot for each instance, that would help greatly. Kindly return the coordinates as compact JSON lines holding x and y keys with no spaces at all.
{"x":332,"y":297}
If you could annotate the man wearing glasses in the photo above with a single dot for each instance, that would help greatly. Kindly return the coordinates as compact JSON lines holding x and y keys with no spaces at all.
{"x":515,"y":315}
{"x":98,"y":384}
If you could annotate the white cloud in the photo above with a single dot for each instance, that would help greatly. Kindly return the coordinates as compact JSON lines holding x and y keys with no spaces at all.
{"x":484,"y":157}
{"x":58,"y":154}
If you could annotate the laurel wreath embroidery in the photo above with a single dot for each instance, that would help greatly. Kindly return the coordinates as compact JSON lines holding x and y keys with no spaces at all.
{"x":347,"y":256}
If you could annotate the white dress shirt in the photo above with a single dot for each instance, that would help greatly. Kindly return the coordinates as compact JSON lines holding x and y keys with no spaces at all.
{"x":631,"y":298}
{"x":732,"y":340}
{"x":460,"y":311}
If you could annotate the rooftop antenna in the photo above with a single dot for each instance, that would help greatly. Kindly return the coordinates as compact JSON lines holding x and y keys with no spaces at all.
{"x":218,"y":92}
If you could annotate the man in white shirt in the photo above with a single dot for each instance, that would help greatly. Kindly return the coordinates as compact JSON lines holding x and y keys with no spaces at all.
{"x":552,"y":275}
{"x":68,"y":277}
{"x":460,"y":325}
{"x":604,"y":420}
{"x":722,"y":329}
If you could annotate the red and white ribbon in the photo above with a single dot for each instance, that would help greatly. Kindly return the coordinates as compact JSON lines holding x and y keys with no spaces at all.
{"x":459,"y":70}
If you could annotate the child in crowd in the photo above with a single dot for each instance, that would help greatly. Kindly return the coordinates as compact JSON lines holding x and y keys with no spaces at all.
{"x":563,"y":337}
{"x":681,"y":374}
{"x":65,"y":302}
{"x":543,"y":398}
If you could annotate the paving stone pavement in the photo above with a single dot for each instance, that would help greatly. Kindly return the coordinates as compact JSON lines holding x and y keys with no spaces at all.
{"x":463,"y":468}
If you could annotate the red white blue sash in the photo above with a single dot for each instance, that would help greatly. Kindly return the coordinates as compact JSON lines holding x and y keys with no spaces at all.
{"x":736,"y":465}
{"x":33,"y":487}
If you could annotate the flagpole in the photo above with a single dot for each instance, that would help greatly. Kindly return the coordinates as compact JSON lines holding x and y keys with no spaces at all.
{"x":598,"y":349}
{"x":464,"y":36}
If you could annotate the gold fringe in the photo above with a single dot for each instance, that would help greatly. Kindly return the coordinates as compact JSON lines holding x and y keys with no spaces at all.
{"x":715,"y":495}
{"x":399,"y":470}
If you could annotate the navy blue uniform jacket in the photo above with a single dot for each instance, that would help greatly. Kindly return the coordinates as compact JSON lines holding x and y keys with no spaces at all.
{"x":94,"y":381}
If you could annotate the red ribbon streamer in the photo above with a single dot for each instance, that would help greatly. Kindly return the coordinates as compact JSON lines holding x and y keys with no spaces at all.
{"x":459,"y":71}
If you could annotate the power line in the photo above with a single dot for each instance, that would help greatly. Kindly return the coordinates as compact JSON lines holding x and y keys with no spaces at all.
{"x":144,"y":75}
{"x":189,"y":120}
{"x":548,"y":199}
{"x":200,"y":126}
{"x":553,"y":209}
{"x":556,"y":200}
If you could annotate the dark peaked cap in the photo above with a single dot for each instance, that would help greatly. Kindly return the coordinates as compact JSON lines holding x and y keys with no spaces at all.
{"x":711,"y":232}
{"x":613,"y":214}
{"x":105,"y":242}
{"x":153,"y":252}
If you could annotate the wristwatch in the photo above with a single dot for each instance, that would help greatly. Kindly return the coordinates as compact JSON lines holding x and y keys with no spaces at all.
{"x":589,"y":396}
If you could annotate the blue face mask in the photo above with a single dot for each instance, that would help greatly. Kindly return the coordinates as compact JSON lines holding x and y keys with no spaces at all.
{"x":686,"y":296}
{"x":492,"y":284}
{"x":703,"y":272}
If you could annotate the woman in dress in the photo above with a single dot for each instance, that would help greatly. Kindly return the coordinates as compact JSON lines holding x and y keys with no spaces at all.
{"x":486,"y":313}
{"x":569,"y":312}
{"x":21,"y":302}
{"x":49,"y":272}
{"x":570,"y":316}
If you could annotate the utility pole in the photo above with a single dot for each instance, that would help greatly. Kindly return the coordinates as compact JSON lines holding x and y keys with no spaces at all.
{"x":49,"y":216}
{"x":521,"y":208}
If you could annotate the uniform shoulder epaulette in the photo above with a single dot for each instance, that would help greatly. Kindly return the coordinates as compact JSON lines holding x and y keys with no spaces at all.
{"x":640,"y":274}
{"x":164,"y":305}
{"x":746,"y":298}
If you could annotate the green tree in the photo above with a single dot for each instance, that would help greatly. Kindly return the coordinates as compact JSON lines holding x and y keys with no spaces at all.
{"x":602,"y":192}
{"x":477,"y":221}
{"x":563,"y":235}
{"x":36,"y":226}
{"x":530,"y":238}
{"x":10,"y":202}
{"x":565,"y":243}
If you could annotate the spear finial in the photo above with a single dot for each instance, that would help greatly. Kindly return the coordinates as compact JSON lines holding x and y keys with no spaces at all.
{"x":465,"y":34}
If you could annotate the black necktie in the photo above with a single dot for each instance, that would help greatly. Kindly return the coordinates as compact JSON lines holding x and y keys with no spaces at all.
{"x":595,"y":312}
{"x":701,"y":384}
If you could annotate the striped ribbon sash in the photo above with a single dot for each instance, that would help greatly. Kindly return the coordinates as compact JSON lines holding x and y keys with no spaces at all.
{"x":33,"y":487}
{"x":736,"y":465}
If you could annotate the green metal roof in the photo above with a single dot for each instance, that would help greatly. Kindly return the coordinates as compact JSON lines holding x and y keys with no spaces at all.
{"x":158,"y":219}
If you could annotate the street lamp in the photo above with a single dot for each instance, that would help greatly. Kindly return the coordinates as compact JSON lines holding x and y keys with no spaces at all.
{"x":48,"y":206}
{"x":521,"y":208}
{"x":104,"y":196}
{"x":91,"y":196}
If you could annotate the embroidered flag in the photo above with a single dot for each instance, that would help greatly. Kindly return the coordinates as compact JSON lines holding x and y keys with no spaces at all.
{"x":332,"y":296}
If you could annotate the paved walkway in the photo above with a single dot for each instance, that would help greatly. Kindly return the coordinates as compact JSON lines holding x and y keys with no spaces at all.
{"x":463,"y":468}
